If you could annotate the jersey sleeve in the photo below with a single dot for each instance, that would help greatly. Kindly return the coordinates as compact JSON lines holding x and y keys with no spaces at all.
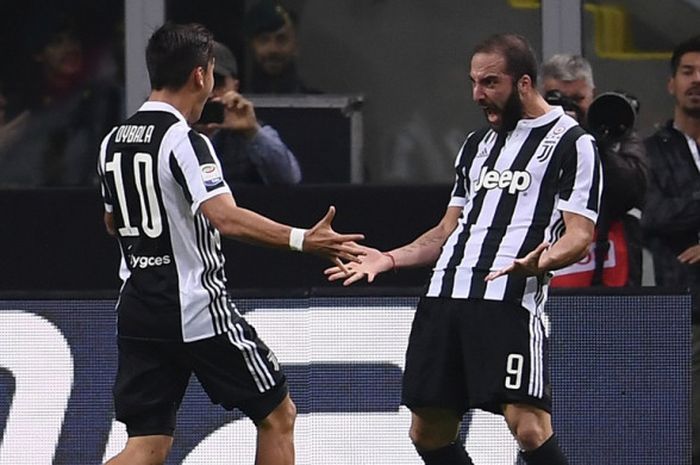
{"x":460,"y":189}
{"x":581,"y":183}
{"x":101,"y":160}
{"x":197,"y":169}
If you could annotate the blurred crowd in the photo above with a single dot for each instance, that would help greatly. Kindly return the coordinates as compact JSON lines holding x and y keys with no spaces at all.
{"x":59,"y":94}
{"x":64,"y":88}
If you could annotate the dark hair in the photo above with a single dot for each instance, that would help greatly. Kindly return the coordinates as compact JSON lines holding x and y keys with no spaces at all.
{"x":268,"y":16}
{"x":690,"y":45}
{"x":174,"y":50}
{"x":520,"y":58}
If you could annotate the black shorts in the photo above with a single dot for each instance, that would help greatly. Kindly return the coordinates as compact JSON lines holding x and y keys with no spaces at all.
{"x":465,"y":354}
{"x":235,"y":369}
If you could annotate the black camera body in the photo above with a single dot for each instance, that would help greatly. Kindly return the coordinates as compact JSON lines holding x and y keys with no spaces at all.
{"x":213,"y":112}
{"x":610,"y":116}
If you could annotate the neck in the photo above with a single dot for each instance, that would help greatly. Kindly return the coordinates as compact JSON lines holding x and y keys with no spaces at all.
{"x":686,"y":123}
{"x":183,"y":103}
{"x":535,"y":106}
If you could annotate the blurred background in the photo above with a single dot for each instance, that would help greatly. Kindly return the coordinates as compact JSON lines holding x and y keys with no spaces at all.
{"x":402,"y":66}
{"x":387,"y":104}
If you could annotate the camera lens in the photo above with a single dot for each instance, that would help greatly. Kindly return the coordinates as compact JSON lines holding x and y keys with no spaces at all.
{"x":611,"y":115}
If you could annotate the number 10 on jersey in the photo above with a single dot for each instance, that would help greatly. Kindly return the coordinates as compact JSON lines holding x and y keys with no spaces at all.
{"x":144,"y":184}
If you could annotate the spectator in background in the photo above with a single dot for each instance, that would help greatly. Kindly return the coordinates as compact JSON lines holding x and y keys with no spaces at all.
{"x":10,"y":125}
{"x":671,"y":220}
{"x":271,"y":31}
{"x":65,"y":111}
{"x":616,"y":257}
{"x":249,"y":152}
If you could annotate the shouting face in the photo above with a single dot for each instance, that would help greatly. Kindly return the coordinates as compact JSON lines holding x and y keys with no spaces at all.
{"x":495,"y":91}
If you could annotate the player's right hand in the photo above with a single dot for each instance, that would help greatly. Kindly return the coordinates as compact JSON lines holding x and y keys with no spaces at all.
{"x":691,"y":255}
{"x":369,"y":266}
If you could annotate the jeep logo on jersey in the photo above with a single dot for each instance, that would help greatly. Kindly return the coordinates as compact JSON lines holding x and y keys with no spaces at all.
{"x":513,"y":181}
{"x":210,"y":174}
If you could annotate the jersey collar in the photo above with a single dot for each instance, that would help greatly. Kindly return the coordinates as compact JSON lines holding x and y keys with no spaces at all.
{"x":152,"y":105}
{"x":547,"y":118}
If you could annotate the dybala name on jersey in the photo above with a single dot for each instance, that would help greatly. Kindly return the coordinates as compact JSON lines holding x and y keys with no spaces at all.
{"x":134,"y":134}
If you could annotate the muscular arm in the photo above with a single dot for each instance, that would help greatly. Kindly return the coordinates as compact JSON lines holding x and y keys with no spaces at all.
{"x":567,"y":250}
{"x":422,"y":251}
{"x":571,"y":246}
{"x":242,"y":224}
{"x":247,"y":226}
{"x":426,"y":248}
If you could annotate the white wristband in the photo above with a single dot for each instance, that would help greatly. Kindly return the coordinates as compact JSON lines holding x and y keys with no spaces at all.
{"x":296,"y":239}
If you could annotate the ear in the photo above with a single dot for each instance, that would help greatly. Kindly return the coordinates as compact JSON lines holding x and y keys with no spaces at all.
{"x":198,"y":75}
{"x":236,"y":84}
{"x":524,"y":84}
{"x":670,"y":85}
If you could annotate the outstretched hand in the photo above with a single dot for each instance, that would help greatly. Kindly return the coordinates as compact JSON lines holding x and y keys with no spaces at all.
{"x":529,"y":265}
{"x":322,"y":240}
{"x":691,"y":255}
{"x":370,"y":265}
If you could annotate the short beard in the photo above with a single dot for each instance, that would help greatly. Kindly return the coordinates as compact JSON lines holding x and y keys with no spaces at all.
{"x":512,"y":112}
{"x":691,"y":112}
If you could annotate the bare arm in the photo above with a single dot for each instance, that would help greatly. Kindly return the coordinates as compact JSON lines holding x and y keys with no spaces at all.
{"x":427,"y":247}
{"x":567,"y":250}
{"x":572,"y":246}
{"x":109,"y":224}
{"x":247,"y":226}
{"x":422,"y":251}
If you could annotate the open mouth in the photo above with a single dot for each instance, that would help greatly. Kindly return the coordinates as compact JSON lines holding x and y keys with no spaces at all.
{"x":492,"y":115}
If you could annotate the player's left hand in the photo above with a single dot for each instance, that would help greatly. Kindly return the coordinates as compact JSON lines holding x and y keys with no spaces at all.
{"x":322,"y":240}
{"x":691,"y":255}
{"x":529,"y":265}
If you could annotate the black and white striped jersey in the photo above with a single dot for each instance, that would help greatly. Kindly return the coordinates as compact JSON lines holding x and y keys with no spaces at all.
{"x":513,"y":189}
{"x":155,"y":172}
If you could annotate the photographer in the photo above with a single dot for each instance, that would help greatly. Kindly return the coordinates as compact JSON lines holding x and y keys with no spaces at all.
{"x":616,"y":257}
{"x":250,"y":152}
